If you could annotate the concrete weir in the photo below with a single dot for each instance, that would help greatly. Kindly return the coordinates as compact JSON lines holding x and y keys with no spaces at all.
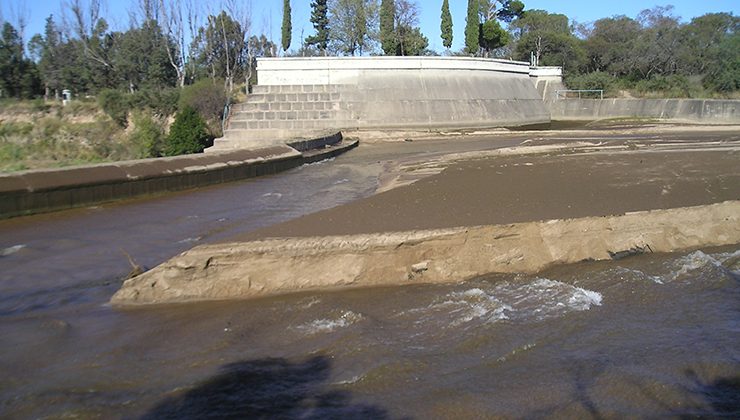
{"x":297,"y":97}
{"x":273,"y":266}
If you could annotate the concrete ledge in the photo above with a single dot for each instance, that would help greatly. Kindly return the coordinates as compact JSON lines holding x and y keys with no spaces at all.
{"x":39,"y":191}
{"x":693,"y":110}
{"x":273,"y":266}
{"x":341,"y":70}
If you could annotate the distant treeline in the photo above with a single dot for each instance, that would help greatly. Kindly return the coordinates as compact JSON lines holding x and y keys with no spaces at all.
{"x":170,"y":44}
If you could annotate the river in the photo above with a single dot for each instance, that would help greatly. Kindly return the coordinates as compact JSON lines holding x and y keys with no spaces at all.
{"x":652,"y":335}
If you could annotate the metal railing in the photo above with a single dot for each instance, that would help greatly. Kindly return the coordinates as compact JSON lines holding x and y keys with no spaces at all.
{"x":563,"y":94}
{"x":225,"y":118}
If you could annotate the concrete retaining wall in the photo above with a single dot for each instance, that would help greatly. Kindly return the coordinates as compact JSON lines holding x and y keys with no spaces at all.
{"x":298,"y":97}
{"x":39,"y":191}
{"x":695,"y":110}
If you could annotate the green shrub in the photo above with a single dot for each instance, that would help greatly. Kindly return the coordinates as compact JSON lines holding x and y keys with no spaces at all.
{"x":673,"y":86}
{"x":116,"y":104}
{"x":147,"y":136}
{"x":188,"y":134}
{"x":594,"y":80}
{"x":206,"y":97}
{"x":160,"y":101}
{"x":8,"y":129}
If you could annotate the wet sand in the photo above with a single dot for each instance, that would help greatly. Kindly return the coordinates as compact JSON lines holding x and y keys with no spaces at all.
{"x":609,"y":179}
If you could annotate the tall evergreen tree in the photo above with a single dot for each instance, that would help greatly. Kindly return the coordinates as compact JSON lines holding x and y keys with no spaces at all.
{"x":320,"y":20}
{"x":472,"y":28}
{"x":387,"y":30}
{"x":446,"y":25}
{"x":287,"y":28}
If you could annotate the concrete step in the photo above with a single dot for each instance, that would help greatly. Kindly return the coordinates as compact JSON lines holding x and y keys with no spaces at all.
{"x":289,"y":115}
{"x":263,"y":89}
{"x":258,"y":98}
{"x":286,"y":106}
{"x":291,"y":124}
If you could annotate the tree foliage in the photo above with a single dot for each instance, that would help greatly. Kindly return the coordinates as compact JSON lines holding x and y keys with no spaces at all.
{"x":354,"y":26}
{"x":387,"y":26}
{"x":188,"y":134}
{"x":472,"y":28}
{"x":320,"y":21}
{"x":287,"y":27}
{"x":446,"y":24}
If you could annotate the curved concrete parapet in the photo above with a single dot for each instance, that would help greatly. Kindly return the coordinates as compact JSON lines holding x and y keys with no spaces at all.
{"x":299,"y":97}
{"x":418,"y":92}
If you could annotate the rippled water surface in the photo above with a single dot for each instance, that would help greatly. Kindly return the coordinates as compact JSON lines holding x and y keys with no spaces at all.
{"x":653,"y":335}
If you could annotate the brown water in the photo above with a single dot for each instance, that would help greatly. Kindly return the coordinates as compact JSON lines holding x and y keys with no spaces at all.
{"x":653,"y":335}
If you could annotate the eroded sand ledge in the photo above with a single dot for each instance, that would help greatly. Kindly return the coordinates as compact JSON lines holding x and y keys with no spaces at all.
{"x":274,"y":266}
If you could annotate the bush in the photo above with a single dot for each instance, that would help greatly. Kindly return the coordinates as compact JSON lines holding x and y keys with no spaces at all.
{"x":206,"y":97}
{"x":673,"y":86}
{"x":147,"y":136}
{"x":595,"y":80}
{"x":162,"y":102}
{"x":116,"y":104}
{"x":188,"y":134}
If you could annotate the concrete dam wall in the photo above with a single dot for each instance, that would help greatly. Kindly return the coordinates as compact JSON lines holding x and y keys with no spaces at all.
{"x":692,"y":110}
{"x":298,"y":97}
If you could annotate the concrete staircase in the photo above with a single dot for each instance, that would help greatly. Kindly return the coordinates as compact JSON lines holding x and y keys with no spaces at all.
{"x":278,"y":114}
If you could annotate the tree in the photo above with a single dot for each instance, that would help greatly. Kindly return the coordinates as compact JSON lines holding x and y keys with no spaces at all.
{"x":387,"y":26}
{"x":549,"y":37}
{"x":505,"y":10}
{"x":188,"y":134}
{"x":19,"y":76}
{"x":48,"y":51}
{"x":141,"y":60}
{"x":472,"y":28}
{"x":287,"y":27}
{"x":446,"y":24}
{"x":354,"y":26}
{"x":702,"y":39}
{"x":610,"y":45}
{"x":492,"y":36}
{"x":320,"y":20}
{"x":411,"y":41}
{"x":408,"y":38}
{"x":220,"y":49}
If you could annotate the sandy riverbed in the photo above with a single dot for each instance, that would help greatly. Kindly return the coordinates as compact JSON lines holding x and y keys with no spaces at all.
{"x":548,"y":176}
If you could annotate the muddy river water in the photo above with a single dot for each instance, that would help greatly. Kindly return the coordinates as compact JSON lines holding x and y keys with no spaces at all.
{"x":652,"y":335}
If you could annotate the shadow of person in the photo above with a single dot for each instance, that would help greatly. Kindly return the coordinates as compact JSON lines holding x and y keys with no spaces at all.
{"x":266,"y":388}
{"x":721,"y":396}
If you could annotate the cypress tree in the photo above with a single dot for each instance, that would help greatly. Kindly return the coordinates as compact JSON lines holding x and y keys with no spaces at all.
{"x":472,"y":28}
{"x":446,"y":25}
{"x":320,"y":20}
{"x":387,"y":33}
{"x":287,"y":27}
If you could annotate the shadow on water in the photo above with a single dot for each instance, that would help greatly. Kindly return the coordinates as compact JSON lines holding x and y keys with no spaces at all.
{"x":721,"y":396}
{"x":266,"y":388}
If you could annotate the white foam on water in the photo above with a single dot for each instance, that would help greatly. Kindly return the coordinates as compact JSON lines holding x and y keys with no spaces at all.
{"x":190,"y":240}
{"x":533,"y":300}
{"x":11,"y":250}
{"x":321,"y":162}
{"x":274,"y":195}
{"x":325,"y":325}
{"x":694,"y":261}
{"x":341,"y":181}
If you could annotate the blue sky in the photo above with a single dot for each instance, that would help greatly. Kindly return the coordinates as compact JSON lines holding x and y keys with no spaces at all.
{"x":266,"y":14}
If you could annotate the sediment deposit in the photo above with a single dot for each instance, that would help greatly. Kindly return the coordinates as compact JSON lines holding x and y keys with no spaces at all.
{"x":273,"y":266}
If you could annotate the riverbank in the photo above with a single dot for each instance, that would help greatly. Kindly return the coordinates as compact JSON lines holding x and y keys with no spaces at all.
{"x":609,"y":184}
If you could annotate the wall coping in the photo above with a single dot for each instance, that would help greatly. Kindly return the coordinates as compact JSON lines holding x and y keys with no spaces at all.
{"x":266,"y":66}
